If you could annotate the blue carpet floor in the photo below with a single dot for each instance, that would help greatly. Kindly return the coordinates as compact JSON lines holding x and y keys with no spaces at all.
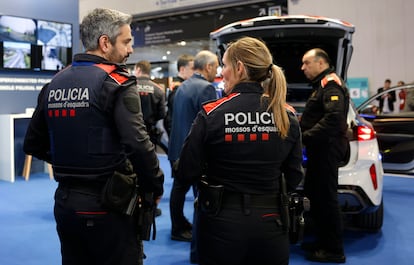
{"x":28,"y":235}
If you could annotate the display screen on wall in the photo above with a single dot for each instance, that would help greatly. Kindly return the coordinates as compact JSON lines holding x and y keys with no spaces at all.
{"x":51,"y":33}
{"x":18,"y":29}
{"x":55,"y":58}
{"x":56,"y":41}
{"x":16,"y":55}
{"x":37,"y":45}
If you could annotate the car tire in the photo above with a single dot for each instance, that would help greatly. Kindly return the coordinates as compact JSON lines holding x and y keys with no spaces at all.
{"x":371,"y":221}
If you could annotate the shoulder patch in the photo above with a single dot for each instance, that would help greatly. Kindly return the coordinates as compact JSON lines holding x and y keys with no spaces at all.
{"x":132,"y":104}
{"x":334,"y":98}
{"x":331,"y":77}
{"x":119,"y":78}
{"x":110,"y":70}
{"x":209,"y":107}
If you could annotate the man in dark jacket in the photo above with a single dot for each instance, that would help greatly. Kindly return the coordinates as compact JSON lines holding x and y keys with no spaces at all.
{"x":386,"y":101}
{"x":185,"y":68}
{"x":324,"y":127}
{"x":88,"y":124}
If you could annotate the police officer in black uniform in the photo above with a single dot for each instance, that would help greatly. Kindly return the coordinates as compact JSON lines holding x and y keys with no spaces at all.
{"x":324,"y":127}
{"x":243,"y":143}
{"x":152,"y":102}
{"x":88,"y":125}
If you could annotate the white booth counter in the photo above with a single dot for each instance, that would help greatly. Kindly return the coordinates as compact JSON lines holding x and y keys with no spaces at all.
{"x":12,"y":131}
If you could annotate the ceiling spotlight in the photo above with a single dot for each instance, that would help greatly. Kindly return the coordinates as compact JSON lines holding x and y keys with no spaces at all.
{"x":164,"y":57}
{"x":182,"y":43}
{"x":168,"y":52}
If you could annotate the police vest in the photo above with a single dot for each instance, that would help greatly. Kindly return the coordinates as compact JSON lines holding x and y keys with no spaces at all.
{"x":83,"y":140}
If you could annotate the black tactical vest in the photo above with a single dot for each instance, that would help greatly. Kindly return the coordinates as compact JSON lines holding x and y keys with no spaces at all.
{"x":83,"y":138}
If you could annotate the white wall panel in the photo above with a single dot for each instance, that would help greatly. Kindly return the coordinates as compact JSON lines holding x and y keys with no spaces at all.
{"x":383,"y":42}
{"x":135,"y":7}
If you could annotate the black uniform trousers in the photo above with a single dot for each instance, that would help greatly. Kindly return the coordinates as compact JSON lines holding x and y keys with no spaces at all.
{"x":242,"y":235}
{"x":321,"y":187}
{"x":179,"y":190}
{"x":90,"y":234}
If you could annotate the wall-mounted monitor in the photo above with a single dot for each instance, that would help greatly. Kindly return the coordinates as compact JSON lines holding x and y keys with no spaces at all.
{"x":55,"y":58}
{"x":18,"y":29}
{"x":36,"y":45}
{"x":16,"y":55}
{"x":1,"y":54}
{"x":54,"y":33}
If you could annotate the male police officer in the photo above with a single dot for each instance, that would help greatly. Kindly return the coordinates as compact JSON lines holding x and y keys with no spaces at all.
{"x":88,"y":124}
{"x":152,"y":101}
{"x":152,"y":105}
{"x":324,"y":129}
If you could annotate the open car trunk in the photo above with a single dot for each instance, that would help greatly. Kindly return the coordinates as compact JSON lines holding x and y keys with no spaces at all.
{"x":288,"y":38}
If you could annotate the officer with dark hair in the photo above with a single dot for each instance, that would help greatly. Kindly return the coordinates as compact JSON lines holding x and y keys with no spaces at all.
{"x":152,"y":105}
{"x":88,"y":124}
{"x":324,"y":127}
{"x":152,"y":101}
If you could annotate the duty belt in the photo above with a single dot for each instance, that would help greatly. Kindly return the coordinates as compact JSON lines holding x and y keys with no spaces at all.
{"x":247,"y":201}
{"x":92,"y":187}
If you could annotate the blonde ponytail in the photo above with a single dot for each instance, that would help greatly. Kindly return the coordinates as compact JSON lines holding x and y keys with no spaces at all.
{"x":277,"y":90}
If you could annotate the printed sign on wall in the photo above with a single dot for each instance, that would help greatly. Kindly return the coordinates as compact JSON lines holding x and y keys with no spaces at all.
{"x":358,"y":89}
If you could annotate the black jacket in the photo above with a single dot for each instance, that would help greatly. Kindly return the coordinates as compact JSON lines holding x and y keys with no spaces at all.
{"x":152,"y":101}
{"x":324,"y":120}
{"x":86,"y":127}
{"x":391,"y":100}
{"x":326,"y":110}
{"x":170,"y":103}
{"x":234,"y":142}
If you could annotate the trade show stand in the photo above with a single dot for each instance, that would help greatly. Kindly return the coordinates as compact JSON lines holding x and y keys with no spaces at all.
{"x":12,"y":131}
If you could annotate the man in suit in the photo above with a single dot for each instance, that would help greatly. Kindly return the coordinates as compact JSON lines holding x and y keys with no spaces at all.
{"x":187,"y":103}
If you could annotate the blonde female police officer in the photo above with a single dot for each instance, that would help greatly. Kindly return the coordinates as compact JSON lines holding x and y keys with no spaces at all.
{"x":243,"y":143}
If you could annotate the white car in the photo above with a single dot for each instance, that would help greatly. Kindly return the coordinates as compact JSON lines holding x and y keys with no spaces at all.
{"x":395,"y":130}
{"x":289,"y":37}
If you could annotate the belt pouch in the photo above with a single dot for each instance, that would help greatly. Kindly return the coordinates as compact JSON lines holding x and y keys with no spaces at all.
{"x":210,"y":197}
{"x":119,"y":190}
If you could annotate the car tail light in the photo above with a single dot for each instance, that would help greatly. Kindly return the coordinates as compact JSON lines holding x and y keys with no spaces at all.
{"x":373,"y":174}
{"x":365,"y":132}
